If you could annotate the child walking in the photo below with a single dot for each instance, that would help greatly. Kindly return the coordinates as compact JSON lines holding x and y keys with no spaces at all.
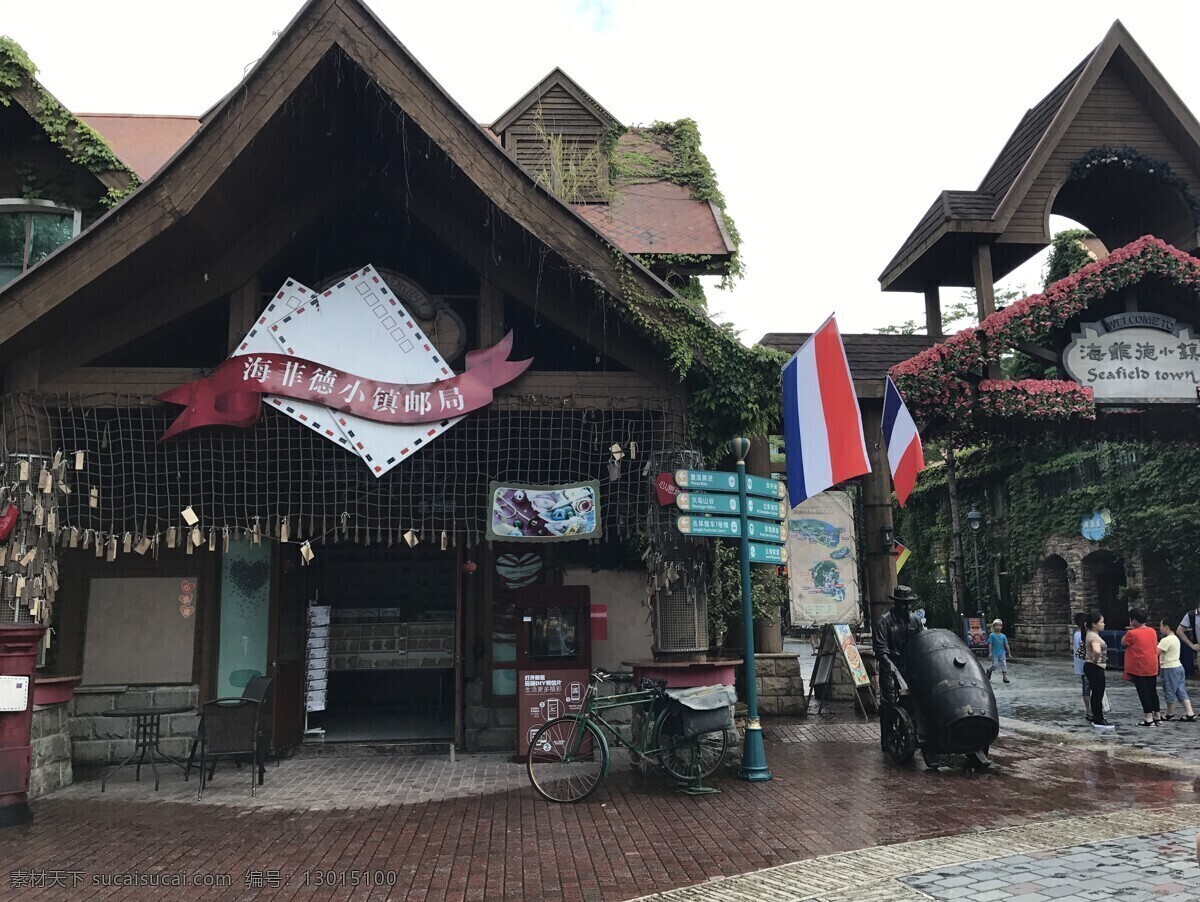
{"x":1171,"y":668}
{"x":998,"y":645}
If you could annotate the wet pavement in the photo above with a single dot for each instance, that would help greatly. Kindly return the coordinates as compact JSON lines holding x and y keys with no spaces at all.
{"x":833,"y":793}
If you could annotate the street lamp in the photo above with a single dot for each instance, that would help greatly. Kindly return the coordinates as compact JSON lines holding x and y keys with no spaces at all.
{"x":975,"y":523}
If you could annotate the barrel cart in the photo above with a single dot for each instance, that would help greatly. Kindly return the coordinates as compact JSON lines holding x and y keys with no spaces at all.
{"x":946,"y":706}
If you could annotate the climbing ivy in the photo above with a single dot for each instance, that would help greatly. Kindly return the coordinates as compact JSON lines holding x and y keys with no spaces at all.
{"x":83,"y":145}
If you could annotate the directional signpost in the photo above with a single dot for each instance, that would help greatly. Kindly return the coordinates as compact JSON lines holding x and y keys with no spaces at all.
{"x":752,"y":509}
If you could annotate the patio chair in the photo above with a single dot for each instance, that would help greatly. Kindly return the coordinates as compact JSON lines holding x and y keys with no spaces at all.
{"x":256,"y":691}
{"x":229,"y":729}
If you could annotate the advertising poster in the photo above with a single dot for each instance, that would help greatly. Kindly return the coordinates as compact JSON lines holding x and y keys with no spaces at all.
{"x":854,"y":661}
{"x":542,"y":696}
{"x":823,"y":561}
{"x":554,"y":513}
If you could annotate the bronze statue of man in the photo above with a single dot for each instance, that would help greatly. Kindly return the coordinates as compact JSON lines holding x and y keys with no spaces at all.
{"x":892,"y":633}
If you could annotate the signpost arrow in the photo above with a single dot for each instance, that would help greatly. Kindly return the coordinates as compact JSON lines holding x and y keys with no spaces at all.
{"x":728,"y":527}
{"x":765,"y":488}
{"x":697,"y":502}
{"x":767,"y":532}
{"x":770,"y":510}
{"x":767,"y":554}
{"x":712,"y":480}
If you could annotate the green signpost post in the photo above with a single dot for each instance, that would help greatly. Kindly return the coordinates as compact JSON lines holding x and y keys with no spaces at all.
{"x":756,"y":512}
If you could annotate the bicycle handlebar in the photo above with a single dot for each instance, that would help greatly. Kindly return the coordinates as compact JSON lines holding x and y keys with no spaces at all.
{"x":601,"y":676}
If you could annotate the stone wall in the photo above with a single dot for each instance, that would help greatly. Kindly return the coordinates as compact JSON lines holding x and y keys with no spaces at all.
{"x":51,"y":741}
{"x":779,"y":684}
{"x":98,"y":740}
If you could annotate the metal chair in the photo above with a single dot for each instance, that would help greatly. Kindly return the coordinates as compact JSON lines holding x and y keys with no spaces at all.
{"x":229,"y":729}
{"x":256,"y":691}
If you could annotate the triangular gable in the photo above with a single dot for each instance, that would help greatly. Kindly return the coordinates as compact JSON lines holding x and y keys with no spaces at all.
{"x":556,"y":79}
{"x":321,"y":25}
{"x":1012,"y":203}
{"x":80,"y":144}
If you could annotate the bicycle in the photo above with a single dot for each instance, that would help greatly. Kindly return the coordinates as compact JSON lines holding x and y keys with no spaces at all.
{"x":569,"y":756}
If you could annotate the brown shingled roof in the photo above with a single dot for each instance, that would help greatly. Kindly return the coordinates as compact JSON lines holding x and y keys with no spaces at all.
{"x":869,"y":354}
{"x":143,"y":143}
{"x":659,"y":218}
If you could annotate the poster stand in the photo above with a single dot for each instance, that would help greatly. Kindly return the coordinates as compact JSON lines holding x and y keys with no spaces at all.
{"x":316,"y":671}
{"x":837,"y":642}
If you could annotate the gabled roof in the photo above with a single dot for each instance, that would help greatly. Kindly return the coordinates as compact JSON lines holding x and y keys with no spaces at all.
{"x":176,"y":189}
{"x":559,"y":78}
{"x":942,"y":236}
{"x":78,"y":141}
{"x":870,"y":355}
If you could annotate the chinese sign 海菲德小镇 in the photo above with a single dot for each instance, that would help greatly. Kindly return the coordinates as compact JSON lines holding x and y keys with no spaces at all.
{"x":1136,"y":357}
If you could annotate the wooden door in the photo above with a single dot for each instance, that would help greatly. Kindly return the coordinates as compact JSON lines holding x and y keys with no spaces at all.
{"x":287,"y":645}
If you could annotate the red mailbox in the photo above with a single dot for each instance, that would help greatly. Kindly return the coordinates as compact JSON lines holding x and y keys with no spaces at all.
{"x":19,"y":645}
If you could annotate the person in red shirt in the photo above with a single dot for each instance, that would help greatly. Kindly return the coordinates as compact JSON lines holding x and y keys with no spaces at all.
{"x":1141,"y":664}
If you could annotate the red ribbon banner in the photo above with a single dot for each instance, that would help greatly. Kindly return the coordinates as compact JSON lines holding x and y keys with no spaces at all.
{"x":232,"y":395}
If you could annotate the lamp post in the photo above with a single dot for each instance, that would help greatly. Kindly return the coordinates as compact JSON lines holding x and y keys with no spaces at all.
{"x":975,"y":523}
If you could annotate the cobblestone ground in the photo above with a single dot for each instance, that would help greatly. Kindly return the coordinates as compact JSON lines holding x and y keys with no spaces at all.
{"x":1046,"y":694}
{"x":475,"y":830}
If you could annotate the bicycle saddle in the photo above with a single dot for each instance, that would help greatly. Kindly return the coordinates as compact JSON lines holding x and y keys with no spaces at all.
{"x":601,"y":676}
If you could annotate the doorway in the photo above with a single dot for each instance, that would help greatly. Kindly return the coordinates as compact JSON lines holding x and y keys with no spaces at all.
{"x":394,"y":621}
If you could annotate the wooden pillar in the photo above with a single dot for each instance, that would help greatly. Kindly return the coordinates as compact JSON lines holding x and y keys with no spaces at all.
{"x":877,"y":512}
{"x":958,"y":589}
{"x":758,"y":461}
{"x":933,"y":312}
{"x":981,"y":270}
{"x":26,"y":428}
{"x":491,"y":314}
{"x":245,"y":305}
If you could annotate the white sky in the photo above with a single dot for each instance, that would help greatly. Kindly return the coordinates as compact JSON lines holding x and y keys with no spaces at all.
{"x":831,"y":126}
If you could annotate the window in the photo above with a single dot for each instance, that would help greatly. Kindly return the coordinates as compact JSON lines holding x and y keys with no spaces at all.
{"x":29,"y":231}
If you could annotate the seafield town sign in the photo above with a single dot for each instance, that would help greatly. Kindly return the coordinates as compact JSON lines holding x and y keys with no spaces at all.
{"x":1136,"y":358}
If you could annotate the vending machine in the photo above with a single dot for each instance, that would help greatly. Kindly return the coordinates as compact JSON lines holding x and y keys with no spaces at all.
{"x":554,"y":656}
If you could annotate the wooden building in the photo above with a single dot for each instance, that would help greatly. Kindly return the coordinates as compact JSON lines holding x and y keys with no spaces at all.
{"x":338,"y":150}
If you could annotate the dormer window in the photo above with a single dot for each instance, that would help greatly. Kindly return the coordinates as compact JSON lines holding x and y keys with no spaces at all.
{"x":30,"y":230}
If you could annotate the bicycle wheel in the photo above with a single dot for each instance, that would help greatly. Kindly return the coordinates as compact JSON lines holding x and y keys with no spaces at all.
{"x":567,"y":759}
{"x":688,"y":758}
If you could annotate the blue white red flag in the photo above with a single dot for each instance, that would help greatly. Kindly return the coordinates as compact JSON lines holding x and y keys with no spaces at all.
{"x":822,"y":425}
{"x":905,"y":455}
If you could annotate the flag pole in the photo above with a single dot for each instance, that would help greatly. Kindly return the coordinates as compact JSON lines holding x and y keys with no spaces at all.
{"x":754,"y":754}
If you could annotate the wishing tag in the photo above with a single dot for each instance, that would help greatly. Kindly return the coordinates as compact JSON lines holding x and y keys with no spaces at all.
{"x":93,"y":497}
{"x":58,"y":459}
{"x":23,"y":471}
{"x":3,"y":555}
{"x":225,"y":540}
{"x":445,"y":540}
{"x":64,"y":488}
{"x":28,"y":557}
{"x":411,"y":538}
{"x":284,"y":530}
{"x":36,"y":608}
{"x":306,"y":552}
{"x":52,"y":522}
{"x":112,"y":548}
{"x":633,"y":450}
{"x":45,"y":481}
{"x":212,"y":540}
{"x":127,"y":543}
{"x":170,"y":536}
{"x":142,"y":546}
{"x":255,"y":535}
{"x":197,"y":536}
{"x":99,"y":545}
{"x":189,"y":546}
{"x":78,"y":460}
{"x":20,"y":586}
{"x":189,"y":516}
{"x":39,"y":515}
{"x":74,"y":540}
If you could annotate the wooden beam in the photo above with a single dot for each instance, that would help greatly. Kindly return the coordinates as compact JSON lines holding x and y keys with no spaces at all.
{"x":245,"y":304}
{"x":1038,"y":352}
{"x":491,"y":313}
{"x":120,"y":380}
{"x":216,"y":277}
{"x":933,"y":312}
{"x":23,"y":373}
{"x":981,"y":271}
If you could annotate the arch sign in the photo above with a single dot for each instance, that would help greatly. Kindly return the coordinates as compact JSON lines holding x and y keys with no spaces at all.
{"x":1136,"y":358}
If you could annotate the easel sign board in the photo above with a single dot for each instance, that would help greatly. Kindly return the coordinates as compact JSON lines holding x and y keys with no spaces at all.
{"x":854,"y":661}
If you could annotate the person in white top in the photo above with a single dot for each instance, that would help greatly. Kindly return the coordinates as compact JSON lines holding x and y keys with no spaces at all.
{"x":1171,"y":669}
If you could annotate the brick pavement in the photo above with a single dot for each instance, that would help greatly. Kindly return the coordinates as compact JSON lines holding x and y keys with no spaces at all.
{"x":832,"y":793}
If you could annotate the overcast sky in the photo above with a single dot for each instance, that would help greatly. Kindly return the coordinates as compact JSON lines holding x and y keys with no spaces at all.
{"x":831,"y":126}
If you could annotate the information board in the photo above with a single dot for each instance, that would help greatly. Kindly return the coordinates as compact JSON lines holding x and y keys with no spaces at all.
{"x":545,"y":694}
